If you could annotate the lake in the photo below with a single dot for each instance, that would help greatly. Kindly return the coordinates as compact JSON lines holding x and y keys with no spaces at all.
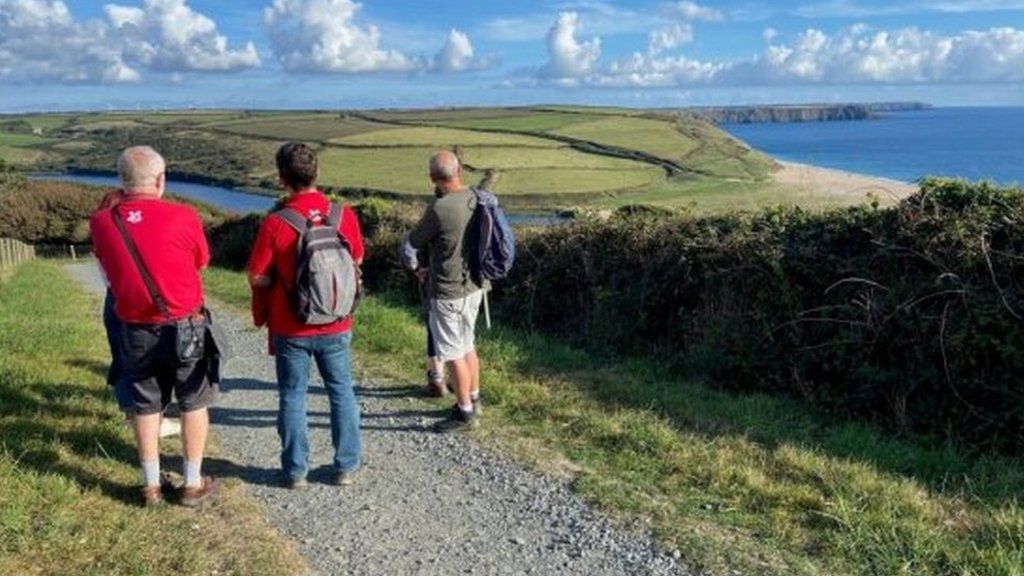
{"x":973,"y":143}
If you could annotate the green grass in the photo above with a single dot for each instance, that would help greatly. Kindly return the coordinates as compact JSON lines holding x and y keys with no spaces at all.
{"x":525,"y":171}
{"x":655,"y":137}
{"x":707,"y":195}
{"x":447,"y":137}
{"x":586,"y":183}
{"x":401,"y":170}
{"x":693,"y":145}
{"x":16,"y":148}
{"x":749,"y":483}
{"x":512,"y":158}
{"x":68,"y":471}
{"x":302,"y":127}
{"x":537,"y":122}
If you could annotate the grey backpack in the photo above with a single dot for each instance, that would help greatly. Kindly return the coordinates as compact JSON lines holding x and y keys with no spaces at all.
{"x":327,"y":280}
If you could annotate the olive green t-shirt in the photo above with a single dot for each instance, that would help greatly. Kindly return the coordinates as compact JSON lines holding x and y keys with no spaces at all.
{"x":445,"y":232}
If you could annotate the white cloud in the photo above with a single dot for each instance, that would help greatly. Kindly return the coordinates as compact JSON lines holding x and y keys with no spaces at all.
{"x":458,"y":55}
{"x":169,"y":36}
{"x":692,"y":11}
{"x":568,"y":57}
{"x":856,"y":56}
{"x":860,"y":55}
{"x":853,"y":9}
{"x":40,"y":41}
{"x":648,"y":71}
{"x":664,"y":39}
{"x":322,"y":36}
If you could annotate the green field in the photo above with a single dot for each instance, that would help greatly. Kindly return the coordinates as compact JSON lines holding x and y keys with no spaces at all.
{"x":305,"y":127}
{"x":442,"y":137}
{"x":20,"y":148}
{"x":545,"y":156}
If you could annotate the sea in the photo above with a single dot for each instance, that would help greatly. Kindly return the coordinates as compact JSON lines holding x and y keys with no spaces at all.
{"x":972,"y":143}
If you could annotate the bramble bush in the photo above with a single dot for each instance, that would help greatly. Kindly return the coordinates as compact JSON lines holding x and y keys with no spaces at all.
{"x":911,"y":316}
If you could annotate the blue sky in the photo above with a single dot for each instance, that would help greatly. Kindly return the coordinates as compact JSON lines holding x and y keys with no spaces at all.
{"x":129,"y":54}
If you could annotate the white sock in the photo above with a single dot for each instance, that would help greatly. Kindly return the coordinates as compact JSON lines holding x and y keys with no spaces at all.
{"x":151,"y":473}
{"x":466,"y":409}
{"x":475,"y":395}
{"x":193,"y":475}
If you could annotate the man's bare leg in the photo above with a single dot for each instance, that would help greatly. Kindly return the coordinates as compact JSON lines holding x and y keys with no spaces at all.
{"x":463,"y":382}
{"x":147,"y":442}
{"x":473,"y":363}
{"x":195,"y":426}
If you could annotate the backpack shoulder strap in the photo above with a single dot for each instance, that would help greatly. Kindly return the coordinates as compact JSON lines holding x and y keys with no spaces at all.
{"x":293,"y":219}
{"x":336,"y":214}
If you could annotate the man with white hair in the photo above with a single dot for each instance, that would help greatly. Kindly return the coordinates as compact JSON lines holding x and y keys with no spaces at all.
{"x":445,"y":233}
{"x":153,"y":252}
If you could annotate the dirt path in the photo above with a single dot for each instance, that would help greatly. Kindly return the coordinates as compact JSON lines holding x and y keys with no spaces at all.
{"x":423,"y":504}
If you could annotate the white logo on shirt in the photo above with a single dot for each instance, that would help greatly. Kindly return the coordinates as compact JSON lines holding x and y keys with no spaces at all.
{"x":315,"y":215}
{"x":134,"y":216}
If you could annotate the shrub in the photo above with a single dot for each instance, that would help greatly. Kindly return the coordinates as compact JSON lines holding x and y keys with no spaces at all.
{"x":910,"y":316}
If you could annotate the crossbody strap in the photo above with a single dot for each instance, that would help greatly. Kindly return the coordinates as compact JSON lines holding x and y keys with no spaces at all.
{"x":147,"y":279}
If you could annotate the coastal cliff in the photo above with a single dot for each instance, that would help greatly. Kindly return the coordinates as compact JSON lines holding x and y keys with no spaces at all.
{"x":800,"y":113}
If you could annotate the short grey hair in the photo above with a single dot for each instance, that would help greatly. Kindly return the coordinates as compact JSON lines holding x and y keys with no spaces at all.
{"x":444,"y":166}
{"x":139,"y":167}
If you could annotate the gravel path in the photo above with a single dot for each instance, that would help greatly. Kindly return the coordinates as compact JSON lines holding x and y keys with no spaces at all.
{"x":423,"y":504}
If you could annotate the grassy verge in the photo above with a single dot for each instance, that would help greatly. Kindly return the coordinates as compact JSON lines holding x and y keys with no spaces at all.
{"x":753,"y":483}
{"x":67,"y":462}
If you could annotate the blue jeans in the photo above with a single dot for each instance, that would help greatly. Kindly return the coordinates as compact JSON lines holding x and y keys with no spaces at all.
{"x":294,"y":356}
{"x":117,"y":374}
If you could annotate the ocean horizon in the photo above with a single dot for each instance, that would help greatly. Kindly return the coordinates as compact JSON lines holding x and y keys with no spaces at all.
{"x":976,"y":143}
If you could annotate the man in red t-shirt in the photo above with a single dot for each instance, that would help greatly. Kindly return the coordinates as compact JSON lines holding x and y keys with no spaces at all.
{"x":272,"y":275}
{"x":152,"y":252}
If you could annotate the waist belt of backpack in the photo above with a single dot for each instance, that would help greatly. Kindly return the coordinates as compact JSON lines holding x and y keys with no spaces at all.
{"x":147,"y":278}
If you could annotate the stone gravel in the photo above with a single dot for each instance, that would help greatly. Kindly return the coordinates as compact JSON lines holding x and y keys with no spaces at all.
{"x":423,"y":503}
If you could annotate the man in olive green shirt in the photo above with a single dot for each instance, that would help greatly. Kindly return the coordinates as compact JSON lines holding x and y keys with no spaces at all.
{"x":445,"y":233}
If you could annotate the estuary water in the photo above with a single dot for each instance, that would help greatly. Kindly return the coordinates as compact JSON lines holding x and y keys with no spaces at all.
{"x":244,"y":202}
{"x":224,"y":198}
{"x":973,"y":143}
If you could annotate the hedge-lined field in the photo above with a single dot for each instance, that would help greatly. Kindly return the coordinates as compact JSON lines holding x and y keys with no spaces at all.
{"x":553,"y":158}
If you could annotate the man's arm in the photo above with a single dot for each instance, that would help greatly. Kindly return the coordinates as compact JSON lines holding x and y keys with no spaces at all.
{"x":353,"y":233}
{"x":418,"y":239}
{"x":202,"y":245}
{"x":259,"y":270}
{"x":261,"y":259}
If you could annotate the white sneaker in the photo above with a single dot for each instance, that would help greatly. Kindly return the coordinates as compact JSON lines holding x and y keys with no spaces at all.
{"x":170,"y":427}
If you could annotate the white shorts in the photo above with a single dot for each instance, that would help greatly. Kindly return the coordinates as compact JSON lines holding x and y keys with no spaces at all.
{"x":453,"y":323}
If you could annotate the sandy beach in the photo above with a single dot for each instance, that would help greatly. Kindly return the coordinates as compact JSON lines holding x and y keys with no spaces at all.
{"x":840,"y":183}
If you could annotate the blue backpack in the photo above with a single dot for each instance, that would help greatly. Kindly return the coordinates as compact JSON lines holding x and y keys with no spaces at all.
{"x":496,"y":244}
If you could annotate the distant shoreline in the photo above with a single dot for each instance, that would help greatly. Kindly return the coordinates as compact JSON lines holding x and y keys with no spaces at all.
{"x":841,"y":182}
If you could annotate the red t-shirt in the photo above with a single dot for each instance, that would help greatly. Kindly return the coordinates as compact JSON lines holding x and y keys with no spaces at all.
{"x":171,"y":243}
{"x":275,"y":255}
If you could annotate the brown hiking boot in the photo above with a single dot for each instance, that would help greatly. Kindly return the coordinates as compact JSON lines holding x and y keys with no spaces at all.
{"x":152,"y":496}
{"x":207,"y":491}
